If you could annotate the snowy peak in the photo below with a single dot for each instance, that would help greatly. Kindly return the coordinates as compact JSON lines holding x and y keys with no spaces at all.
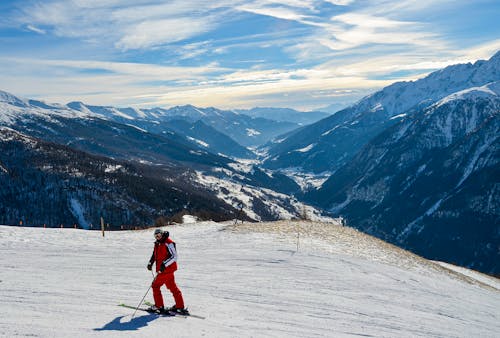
{"x":80,"y":106}
{"x":343,"y":134}
{"x":401,"y":96}
{"x":12,"y":100}
{"x":106,"y":112}
{"x":187,"y":111}
{"x":14,"y":109}
{"x":9,"y":99}
{"x":491,"y":90}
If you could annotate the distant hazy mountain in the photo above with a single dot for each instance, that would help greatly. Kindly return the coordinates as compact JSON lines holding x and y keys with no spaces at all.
{"x":334,"y":107}
{"x":328,"y":144}
{"x":246,"y":130}
{"x":285,"y":115}
{"x":430,"y":182}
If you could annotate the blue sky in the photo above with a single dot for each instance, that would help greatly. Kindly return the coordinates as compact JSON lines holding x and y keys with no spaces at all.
{"x":302,"y":54}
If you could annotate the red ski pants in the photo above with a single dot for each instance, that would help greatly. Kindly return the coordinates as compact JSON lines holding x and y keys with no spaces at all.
{"x":168,"y":280}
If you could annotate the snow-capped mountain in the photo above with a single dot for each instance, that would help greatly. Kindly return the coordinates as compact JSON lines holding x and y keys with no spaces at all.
{"x":87,"y":131}
{"x":243,"y":129}
{"x":328,"y":144}
{"x":430,"y":183}
{"x":13,"y":109}
{"x":187,"y":124}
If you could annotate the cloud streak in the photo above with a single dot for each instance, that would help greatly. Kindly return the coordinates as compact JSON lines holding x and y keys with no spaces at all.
{"x":35,"y":29}
{"x":151,"y":33}
{"x":234,"y":53}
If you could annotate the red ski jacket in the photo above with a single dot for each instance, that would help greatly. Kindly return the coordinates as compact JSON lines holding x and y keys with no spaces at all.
{"x":164,"y":253}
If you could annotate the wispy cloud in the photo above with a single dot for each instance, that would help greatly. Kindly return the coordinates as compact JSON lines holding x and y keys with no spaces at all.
{"x":35,"y":29}
{"x":480,"y":52}
{"x":160,"y":85}
{"x":235,"y":52}
{"x":356,"y":29}
{"x":137,"y":25}
{"x":340,"y":2}
{"x":403,"y":8}
{"x":151,"y":33}
{"x":276,"y":12}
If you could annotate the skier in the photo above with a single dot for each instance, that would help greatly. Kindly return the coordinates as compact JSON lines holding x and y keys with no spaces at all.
{"x":165,"y":257}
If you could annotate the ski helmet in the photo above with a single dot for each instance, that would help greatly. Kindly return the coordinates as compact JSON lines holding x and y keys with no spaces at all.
{"x":158,"y":231}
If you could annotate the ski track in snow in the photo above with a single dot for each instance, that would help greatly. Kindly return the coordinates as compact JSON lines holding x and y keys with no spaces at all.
{"x":281,"y":279}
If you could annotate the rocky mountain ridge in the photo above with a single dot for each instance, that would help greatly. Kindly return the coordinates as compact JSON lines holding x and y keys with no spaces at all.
{"x":330,"y":143}
{"x":429,"y":183}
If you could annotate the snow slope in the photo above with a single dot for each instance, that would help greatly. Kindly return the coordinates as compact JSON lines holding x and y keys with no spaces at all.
{"x":283,"y":279}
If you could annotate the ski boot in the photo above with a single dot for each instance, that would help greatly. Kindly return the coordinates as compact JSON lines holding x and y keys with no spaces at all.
{"x":156,"y":309}
{"x":175,"y":310}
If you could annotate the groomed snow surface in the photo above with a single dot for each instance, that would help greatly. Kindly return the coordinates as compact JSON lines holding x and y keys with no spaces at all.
{"x":282,"y":279}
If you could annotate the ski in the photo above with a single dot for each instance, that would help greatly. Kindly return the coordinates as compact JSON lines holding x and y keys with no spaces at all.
{"x":168,"y":314}
{"x":172,"y":313}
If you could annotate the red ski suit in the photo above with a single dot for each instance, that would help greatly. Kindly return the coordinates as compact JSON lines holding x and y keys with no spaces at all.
{"x":165,"y":258}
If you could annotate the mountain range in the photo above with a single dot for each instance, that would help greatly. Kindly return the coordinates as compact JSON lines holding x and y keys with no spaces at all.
{"x":331,"y":142}
{"x":416,"y":164}
{"x":245,"y":130}
{"x":170,"y":158}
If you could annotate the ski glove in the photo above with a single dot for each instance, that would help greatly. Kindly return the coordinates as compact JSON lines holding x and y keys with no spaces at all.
{"x":150,"y":266}
{"x":162,"y":267}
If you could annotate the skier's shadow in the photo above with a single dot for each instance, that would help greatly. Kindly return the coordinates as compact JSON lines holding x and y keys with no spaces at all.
{"x":132,"y":325}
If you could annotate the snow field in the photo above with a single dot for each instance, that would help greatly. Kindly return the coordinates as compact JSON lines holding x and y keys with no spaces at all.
{"x":248,"y":280}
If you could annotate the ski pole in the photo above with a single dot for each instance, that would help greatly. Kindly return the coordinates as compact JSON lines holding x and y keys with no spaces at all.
{"x":142,"y":300}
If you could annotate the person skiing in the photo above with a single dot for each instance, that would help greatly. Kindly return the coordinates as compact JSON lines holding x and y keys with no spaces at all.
{"x":165,"y":257}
